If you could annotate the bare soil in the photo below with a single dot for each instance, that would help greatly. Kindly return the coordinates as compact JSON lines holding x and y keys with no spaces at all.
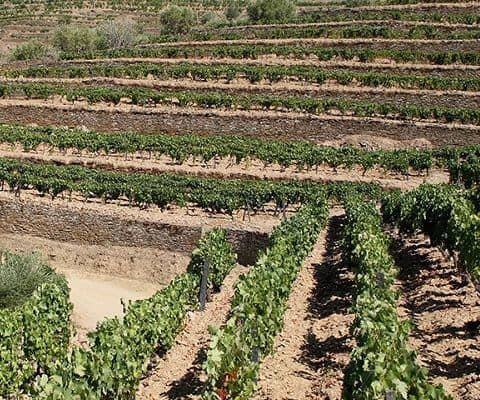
{"x":178,"y":375}
{"x":313,"y":347}
{"x":60,"y":103}
{"x":101,"y":276}
{"x":445,"y":309}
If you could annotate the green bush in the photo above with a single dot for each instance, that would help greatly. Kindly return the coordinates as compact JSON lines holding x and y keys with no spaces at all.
{"x":177,"y":20}
{"x":20,"y":276}
{"x":271,"y":11}
{"x":77,"y":40}
{"x":233,"y":10}
{"x":30,"y":50}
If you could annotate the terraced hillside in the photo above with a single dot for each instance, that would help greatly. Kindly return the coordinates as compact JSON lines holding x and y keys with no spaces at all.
{"x":272,"y":199}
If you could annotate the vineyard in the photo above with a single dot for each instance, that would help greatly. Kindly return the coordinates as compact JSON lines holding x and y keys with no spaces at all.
{"x":240,"y":199}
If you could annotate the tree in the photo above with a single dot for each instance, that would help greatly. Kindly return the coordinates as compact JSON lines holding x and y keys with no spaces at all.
{"x":177,"y":20}
{"x":271,"y":11}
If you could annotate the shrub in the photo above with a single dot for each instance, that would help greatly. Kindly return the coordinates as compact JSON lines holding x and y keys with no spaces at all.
{"x":233,"y":10}
{"x":76,"y":40}
{"x":271,"y":11}
{"x":118,"y":33}
{"x":20,"y":276}
{"x":210,"y":18}
{"x":30,"y":50}
{"x":177,"y":20}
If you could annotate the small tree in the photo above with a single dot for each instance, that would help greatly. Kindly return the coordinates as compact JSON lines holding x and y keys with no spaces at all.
{"x":177,"y":20}
{"x":233,"y":10}
{"x":271,"y":11}
{"x":77,"y":40}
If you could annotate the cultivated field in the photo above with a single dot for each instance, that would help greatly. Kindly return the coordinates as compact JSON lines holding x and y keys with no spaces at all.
{"x":232,"y":199}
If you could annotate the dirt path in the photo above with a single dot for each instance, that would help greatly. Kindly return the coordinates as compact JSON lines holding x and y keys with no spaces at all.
{"x":446,"y":313}
{"x":225,"y":168}
{"x":179,"y":374}
{"x":96,"y":297}
{"x":314,"y":345}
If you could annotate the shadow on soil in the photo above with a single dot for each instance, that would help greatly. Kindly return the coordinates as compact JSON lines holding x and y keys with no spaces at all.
{"x":431,"y":284}
{"x":189,"y":384}
{"x":332,"y":296}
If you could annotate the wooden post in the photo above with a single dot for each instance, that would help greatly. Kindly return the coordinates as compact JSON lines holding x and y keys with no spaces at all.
{"x":203,"y":285}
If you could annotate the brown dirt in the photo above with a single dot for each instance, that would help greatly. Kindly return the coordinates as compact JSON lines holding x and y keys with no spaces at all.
{"x":226,"y":169}
{"x":266,"y":124}
{"x":314,"y":345}
{"x":60,"y":103}
{"x":115,"y":272}
{"x":191,"y":216}
{"x":146,"y":265}
{"x":178,"y":375}
{"x":446,"y":312}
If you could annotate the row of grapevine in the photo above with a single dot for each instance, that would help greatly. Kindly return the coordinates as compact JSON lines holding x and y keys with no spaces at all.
{"x":162,"y":190}
{"x":381,"y":366}
{"x":380,"y":30}
{"x":259,"y":304}
{"x":121,"y":348}
{"x":35,"y":337}
{"x":254,"y":73}
{"x":179,"y":148}
{"x":466,"y":171}
{"x":298,"y":51}
{"x":445,"y":214}
{"x":217,"y":99}
{"x":466,"y":17}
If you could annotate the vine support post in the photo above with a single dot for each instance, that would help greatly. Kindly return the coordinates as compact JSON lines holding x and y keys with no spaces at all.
{"x":204,"y":285}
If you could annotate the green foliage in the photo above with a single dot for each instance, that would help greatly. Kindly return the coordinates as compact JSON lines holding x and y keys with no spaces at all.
{"x":47,"y":327}
{"x":177,"y":20}
{"x":121,"y":348}
{"x":34,"y":339}
{"x":253,"y":73}
{"x":76,"y":40}
{"x":445,"y":215}
{"x":233,"y":10}
{"x":142,"y":190}
{"x":382,"y":363}
{"x":213,"y":248}
{"x":21,"y":276}
{"x":30,"y":50}
{"x":259,"y":305}
{"x":271,"y":11}
{"x":217,"y":99}
{"x":14,"y":369}
{"x":254,"y":51}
